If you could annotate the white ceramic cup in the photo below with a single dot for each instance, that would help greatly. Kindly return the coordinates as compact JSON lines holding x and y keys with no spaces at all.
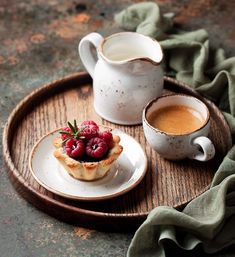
{"x":193,"y":145}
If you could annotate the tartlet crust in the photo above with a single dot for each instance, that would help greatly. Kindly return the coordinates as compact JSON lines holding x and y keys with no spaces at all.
{"x":87,"y":170}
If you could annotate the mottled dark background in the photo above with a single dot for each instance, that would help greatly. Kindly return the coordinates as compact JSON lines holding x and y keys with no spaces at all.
{"x":38,"y":43}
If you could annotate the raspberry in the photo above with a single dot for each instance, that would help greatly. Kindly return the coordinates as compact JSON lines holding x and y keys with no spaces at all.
{"x":89,"y":129}
{"x":67,"y":133}
{"x":89,"y":122}
{"x":74,"y":147}
{"x":107,"y":137}
{"x":96,"y":147}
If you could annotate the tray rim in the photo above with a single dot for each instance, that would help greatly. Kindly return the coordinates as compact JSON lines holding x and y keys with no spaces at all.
{"x":54,"y":84}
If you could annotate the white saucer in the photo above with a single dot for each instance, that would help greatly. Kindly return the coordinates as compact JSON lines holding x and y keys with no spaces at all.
{"x":127,"y":172}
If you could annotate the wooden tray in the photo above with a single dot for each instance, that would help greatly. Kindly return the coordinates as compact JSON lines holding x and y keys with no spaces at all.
{"x":166,"y":183}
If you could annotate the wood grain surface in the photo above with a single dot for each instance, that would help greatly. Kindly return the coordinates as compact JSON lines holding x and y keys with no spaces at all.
{"x":166,"y":182}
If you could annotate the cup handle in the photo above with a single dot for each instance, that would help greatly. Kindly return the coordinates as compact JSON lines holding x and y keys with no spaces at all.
{"x":208,"y":149}
{"x":84,"y":50}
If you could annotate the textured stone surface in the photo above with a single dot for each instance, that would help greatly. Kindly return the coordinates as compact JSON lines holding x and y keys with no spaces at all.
{"x":38,"y":41}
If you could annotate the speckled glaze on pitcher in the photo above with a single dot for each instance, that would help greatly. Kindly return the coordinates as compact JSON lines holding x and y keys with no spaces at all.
{"x":126,"y":76}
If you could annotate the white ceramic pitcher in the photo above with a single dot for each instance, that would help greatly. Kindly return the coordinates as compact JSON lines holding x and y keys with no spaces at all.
{"x":126,"y":76}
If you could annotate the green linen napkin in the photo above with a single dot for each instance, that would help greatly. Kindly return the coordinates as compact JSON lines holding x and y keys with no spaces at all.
{"x":209,"y":220}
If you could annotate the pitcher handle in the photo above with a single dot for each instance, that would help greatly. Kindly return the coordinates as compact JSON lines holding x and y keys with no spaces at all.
{"x":84,"y":50}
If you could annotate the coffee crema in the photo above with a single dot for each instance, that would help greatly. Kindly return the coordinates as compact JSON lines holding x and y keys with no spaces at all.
{"x":176,"y":119}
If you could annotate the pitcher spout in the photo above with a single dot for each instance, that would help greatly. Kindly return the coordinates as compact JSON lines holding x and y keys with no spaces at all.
{"x":129,"y":47}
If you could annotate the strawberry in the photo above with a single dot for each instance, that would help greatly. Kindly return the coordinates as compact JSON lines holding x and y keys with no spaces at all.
{"x":96,"y":147}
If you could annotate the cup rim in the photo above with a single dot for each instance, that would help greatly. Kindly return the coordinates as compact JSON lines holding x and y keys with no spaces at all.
{"x":150,"y":103}
{"x":100,"y":49}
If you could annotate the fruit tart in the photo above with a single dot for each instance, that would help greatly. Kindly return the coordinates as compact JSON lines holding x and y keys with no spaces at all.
{"x":87,"y":151}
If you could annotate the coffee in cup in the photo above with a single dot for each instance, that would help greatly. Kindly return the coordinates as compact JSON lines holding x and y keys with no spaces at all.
{"x":176,"y":126}
{"x":176,"y":119}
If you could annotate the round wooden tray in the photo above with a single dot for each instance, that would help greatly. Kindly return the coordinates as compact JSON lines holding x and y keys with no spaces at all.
{"x":166,"y":182}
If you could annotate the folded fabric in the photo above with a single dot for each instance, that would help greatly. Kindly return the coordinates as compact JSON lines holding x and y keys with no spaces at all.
{"x":146,"y":19}
{"x":209,"y":219}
